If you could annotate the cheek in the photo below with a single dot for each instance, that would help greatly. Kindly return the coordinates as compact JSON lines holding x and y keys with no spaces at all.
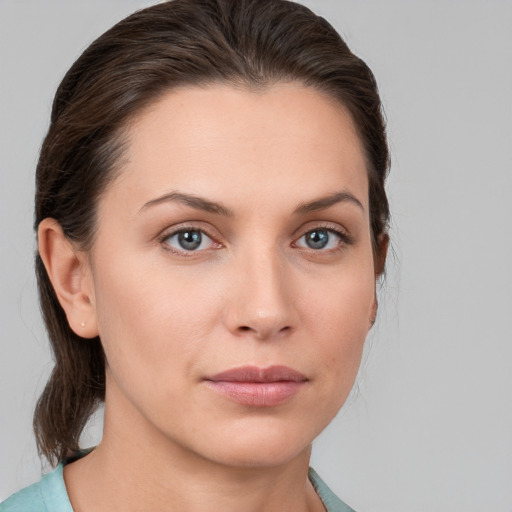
{"x":341,"y":301}
{"x":337,"y":314}
{"x":149,"y":322}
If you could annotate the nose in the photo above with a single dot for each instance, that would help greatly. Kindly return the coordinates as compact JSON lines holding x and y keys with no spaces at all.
{"x":261,"y":303}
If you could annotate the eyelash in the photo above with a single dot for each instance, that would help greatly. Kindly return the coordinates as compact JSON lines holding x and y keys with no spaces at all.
{"x":345,"y":239}
{"x":184,"y":229}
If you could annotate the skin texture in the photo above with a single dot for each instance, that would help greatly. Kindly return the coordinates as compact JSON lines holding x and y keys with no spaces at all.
{"x":254,"y":293}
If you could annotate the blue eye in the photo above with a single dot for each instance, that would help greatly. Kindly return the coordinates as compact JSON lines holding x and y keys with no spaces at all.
{"x":188,"y":240}
{"x":318,"y":239}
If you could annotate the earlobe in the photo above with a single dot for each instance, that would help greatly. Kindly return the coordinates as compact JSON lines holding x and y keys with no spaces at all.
{"x":69,"y":273}
{"x":373,"y":313}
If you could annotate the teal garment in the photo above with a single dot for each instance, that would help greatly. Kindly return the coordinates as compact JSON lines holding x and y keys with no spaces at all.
{"x":47,"y":495}
{"x":331,"y":502}
{"x":50,"y":495}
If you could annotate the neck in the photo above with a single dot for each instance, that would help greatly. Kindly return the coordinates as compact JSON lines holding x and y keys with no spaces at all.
{"x":135,"y":469}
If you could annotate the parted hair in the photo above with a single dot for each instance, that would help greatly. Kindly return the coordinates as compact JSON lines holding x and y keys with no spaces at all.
{"x":247,"y":43}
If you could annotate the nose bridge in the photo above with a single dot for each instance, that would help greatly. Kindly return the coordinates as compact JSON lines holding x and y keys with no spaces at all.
{"x":262,"y":303}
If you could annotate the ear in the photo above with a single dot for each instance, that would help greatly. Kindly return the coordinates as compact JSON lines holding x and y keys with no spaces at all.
{"x":70,"y":274}
{"x":379,"y":265}
{"x":381,"y":254}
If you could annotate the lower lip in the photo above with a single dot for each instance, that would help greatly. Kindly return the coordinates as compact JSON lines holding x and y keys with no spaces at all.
{"x":257,"y":394}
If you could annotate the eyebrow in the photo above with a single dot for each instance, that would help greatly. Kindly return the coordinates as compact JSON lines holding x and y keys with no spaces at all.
{"x":196,"y":202}
{"x":325,"y":202}
{"x":199,"y":203}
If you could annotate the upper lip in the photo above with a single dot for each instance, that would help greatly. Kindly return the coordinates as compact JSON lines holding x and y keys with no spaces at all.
{"x":256,"y":374}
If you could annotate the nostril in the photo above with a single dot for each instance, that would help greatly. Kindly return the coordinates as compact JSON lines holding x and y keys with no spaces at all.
{"x":263,"y":333}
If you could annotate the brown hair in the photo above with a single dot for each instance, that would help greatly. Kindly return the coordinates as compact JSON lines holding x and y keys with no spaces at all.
{"x":252,"y":43}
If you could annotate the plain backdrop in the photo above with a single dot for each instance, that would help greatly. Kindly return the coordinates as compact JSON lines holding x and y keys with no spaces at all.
{"x":429,"y":425}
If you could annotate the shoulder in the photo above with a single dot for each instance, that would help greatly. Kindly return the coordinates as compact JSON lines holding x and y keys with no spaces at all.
{"x":47,"y":495}
{"x":27,"y":500}
{"x":331,"y":502}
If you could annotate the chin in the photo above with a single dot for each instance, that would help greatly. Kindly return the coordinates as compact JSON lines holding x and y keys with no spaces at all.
{"x":257,"y":456}
{"x":263,"y":445}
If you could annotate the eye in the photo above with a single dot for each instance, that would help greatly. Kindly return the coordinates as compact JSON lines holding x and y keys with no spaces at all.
{"x":322,"y":239}
{"x":188,"y":240}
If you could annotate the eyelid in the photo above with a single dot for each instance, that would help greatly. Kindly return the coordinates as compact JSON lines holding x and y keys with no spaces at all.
{"x":345,"y":237}
{"x":187,"y":226}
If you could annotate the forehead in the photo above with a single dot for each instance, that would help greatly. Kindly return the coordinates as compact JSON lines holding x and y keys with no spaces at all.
{"x":232,"y":142}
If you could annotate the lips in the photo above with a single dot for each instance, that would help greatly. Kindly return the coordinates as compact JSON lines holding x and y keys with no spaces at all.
{"x":258,"y":387}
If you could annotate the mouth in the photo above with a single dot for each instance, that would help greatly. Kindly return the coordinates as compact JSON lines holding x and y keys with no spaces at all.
{"x":258,"y":387}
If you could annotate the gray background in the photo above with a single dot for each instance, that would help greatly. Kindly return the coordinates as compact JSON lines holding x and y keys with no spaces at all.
{"x":429,"y":426}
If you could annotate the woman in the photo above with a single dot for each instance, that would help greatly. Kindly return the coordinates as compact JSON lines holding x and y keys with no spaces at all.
{"x":211,"y":221}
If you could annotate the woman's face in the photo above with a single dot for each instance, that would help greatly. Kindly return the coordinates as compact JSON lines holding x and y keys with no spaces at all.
{"x":232,"y":277}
